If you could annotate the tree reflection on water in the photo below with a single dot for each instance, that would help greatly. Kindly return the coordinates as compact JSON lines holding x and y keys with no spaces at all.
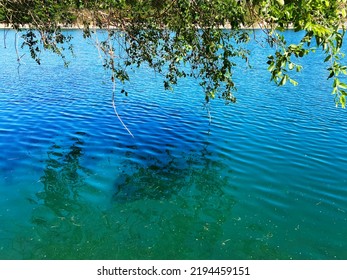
{"x":162,"y":210}
{"x":59,"y":213}
{"x":62,"y":178}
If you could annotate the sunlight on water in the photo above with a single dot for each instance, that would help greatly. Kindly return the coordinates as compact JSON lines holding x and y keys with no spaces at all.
{"x":264,"y":180}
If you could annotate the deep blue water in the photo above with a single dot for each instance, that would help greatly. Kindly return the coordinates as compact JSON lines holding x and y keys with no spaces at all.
{"x":265,"y":179}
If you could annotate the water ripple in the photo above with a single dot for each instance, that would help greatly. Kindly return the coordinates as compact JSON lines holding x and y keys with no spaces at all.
{"x":264,"y":179}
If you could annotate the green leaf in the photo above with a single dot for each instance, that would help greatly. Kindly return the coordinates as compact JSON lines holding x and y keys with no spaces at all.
{"x":336,"y":83}
{"x":327,"y":58}
{"x":343,"y":101}
{"x":271,"y":67}
{"x":284,"y":80}
{"x":332,"y":74}
{"x":293,"y":82}
{"x":343,"y":85}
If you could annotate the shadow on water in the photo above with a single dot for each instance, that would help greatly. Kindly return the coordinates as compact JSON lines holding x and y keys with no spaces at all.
{"x":180,"y":206}
{"x":163,"y":177}
{"x":164,"y":210}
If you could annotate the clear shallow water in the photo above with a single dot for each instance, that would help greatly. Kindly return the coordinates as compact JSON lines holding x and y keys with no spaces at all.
{"x":266,"y":179}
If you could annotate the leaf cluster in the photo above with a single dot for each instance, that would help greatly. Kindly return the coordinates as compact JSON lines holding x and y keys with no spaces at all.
{"x":187,"y":38}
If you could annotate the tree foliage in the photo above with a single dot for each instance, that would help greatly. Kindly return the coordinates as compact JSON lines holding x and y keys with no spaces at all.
{"x":180,"y":38}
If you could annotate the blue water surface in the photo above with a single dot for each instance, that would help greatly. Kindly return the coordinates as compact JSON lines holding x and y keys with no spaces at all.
{"x":264,"y":178}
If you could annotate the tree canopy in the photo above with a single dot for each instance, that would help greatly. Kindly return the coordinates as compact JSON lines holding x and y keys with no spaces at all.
{"x":196,"y":38}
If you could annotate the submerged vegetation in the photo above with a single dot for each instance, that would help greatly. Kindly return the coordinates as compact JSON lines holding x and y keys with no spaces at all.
{"x":180,"y":38}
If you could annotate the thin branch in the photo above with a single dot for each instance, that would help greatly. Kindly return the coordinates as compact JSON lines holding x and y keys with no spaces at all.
{"x":114,"y":105}
{"x":16,"y":47}
{"x":17,"y":52}
{"x":5,"y":35}
{"x":111,"y":54}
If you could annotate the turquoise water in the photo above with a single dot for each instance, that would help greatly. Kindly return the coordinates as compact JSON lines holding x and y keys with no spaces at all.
{"x":265,"y":179}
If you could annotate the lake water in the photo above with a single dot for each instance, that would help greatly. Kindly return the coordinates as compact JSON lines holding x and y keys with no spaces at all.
{"x":265,"y":179}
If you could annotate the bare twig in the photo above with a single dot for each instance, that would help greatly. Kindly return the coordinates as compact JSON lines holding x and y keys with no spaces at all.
{"x":114,"y":105}
{"x":5,"y":35}
{"x":111,"y":55}
{"x":17,"y":52}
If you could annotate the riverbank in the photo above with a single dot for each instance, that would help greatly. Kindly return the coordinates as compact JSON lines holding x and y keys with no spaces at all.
{"x":255,"y":26}
{"x":76,"y":26}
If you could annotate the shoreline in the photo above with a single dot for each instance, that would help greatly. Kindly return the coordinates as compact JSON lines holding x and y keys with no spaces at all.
{"x":7,"y":27}
{"x":256,"y":26}
{"x":4,"y":26}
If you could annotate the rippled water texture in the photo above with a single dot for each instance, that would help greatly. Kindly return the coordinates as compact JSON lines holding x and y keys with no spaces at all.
{"x":266,"y":179}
